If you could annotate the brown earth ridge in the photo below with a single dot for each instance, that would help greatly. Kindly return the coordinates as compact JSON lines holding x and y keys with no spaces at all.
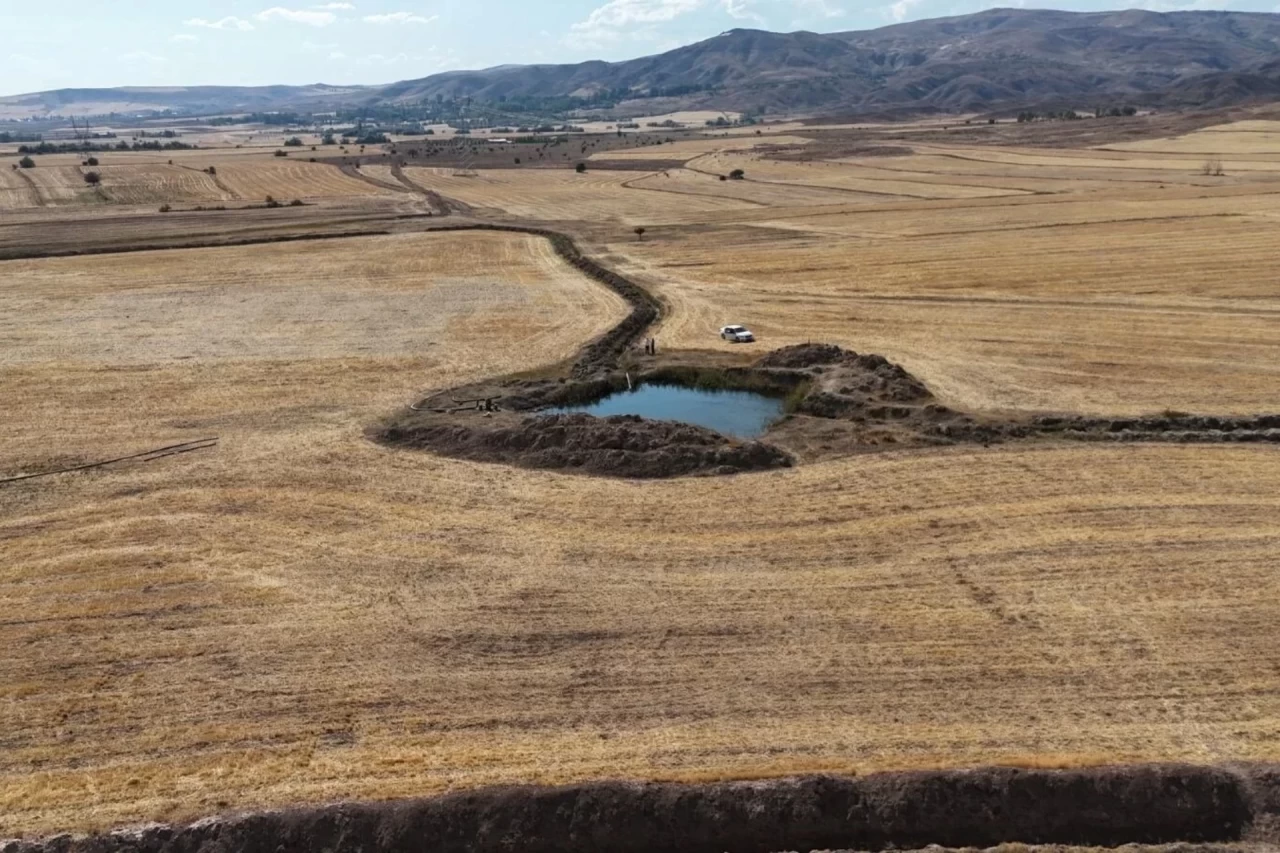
{"x":1110,"y":806}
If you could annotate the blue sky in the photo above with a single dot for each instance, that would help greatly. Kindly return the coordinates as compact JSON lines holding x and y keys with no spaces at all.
{"x":89,"y":43}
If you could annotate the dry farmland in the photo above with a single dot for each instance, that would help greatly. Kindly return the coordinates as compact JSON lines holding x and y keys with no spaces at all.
{"x":300,"y":615}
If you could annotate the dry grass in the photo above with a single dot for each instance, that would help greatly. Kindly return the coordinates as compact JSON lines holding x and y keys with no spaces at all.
{"x":1121,"y":297}
{"x":303,"y":616}
{"x":563,"y":194}
{"x":1241,"y":138}
{"x":846,"y":176}
{"x":130,"y":180}
{"x":290,"y":178}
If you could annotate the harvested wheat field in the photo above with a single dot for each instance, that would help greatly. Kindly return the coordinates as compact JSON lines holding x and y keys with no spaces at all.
{"x":302,"y":615}
{"x":128,"y":180}
{"x":559,"y":194}
{"x":286,"y":179}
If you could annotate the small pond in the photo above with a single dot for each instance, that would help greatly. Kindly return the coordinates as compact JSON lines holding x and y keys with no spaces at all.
{"x":741,"y":414}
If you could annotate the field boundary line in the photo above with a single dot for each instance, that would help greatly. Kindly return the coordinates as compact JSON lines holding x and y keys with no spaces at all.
{"x":146,"y":456}
{"x":160,"y":247}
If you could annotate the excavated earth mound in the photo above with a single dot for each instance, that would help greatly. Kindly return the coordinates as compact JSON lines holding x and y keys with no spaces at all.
{"x":618,"y":446}
{"x":853,"y":402}
{"x":1148,"y":804}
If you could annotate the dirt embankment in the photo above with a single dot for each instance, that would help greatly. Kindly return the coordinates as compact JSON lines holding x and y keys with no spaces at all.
{"x":1095,"y":807}
{"x":883,"y":401}
{"x":619,"y":446}
{"x":839,"y":402}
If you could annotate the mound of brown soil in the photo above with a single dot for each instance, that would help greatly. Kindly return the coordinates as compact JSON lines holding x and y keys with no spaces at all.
{"x":1113,"y":806}
{"x":619,"y":446}
{"x":800,"y":356}
{"x":882,"y":403}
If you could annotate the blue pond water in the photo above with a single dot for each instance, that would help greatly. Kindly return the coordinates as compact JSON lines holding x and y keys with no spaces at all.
{"x":740,"y":414}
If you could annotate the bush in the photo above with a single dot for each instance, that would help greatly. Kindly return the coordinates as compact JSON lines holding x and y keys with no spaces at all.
{"x":164,"y":208}
{"x":92,"y":161}
{"x":271,"y":202}
{"x":92,"y":178}
{"x":280,"y":153}
{"x":293,"y":142}
{"x":737,"y":175}
{"x":27,"y":163}
{"x":580,"y":168}
{"x":297,"y":202}
{"x":212,"y":170}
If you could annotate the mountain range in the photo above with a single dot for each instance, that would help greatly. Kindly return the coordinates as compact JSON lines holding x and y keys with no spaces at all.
{"x":999,"y":58}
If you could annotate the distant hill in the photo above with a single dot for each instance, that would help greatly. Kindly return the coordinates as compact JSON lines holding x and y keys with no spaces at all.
{"x":199,"y":99}
{"x":1000,"y":58}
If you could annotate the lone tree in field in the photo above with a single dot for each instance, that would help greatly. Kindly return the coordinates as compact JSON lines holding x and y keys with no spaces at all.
{"x":640,"y":233}
{"x":27,"y":163}
{"x":1212,"y":167}
{"x":580,"y":168}
{"x":92,"y":178}
{"x":92,"y":161}
{"x":737,"y":175}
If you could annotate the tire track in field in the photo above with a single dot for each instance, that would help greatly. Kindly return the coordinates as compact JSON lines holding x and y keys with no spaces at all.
{"x":947,"y":175}
{"x":1004,"y":192}
{"x":41,"y":201}
{"x":694,"y":168}
{"x":440,"y":204}
{"x":354,"y":172}
{"x":631,"y":185}
{"x":217,"y":182}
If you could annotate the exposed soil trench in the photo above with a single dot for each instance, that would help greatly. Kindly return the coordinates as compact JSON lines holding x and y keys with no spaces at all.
{"x":838,"y":403}
{"x":1148,"y":804}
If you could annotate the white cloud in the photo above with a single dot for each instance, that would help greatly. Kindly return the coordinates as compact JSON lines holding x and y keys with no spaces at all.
{"x":741,"y":9}
{"x":820,"y":8}
{"x":379,"y":59}
{"x":336,"y":7}
{"x":1192,"y":5}
{"x":183,"y":37}
{"x":143,"y":56}
{"x":297,"y":16}
{"x":398,"y":18}
{"x":606,"y":23}
{"x":897,"y":12}
{"x":337,"y":54}
{"x":231,"y":22}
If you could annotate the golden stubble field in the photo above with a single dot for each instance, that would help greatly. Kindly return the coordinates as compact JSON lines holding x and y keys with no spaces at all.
{"x":303,"y":616}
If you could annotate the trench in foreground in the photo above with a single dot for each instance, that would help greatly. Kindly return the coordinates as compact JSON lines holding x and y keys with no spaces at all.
{"x":1102,"y":807}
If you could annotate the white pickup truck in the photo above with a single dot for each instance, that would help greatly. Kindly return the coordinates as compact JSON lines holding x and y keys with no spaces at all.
{"x":737,"y":335}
